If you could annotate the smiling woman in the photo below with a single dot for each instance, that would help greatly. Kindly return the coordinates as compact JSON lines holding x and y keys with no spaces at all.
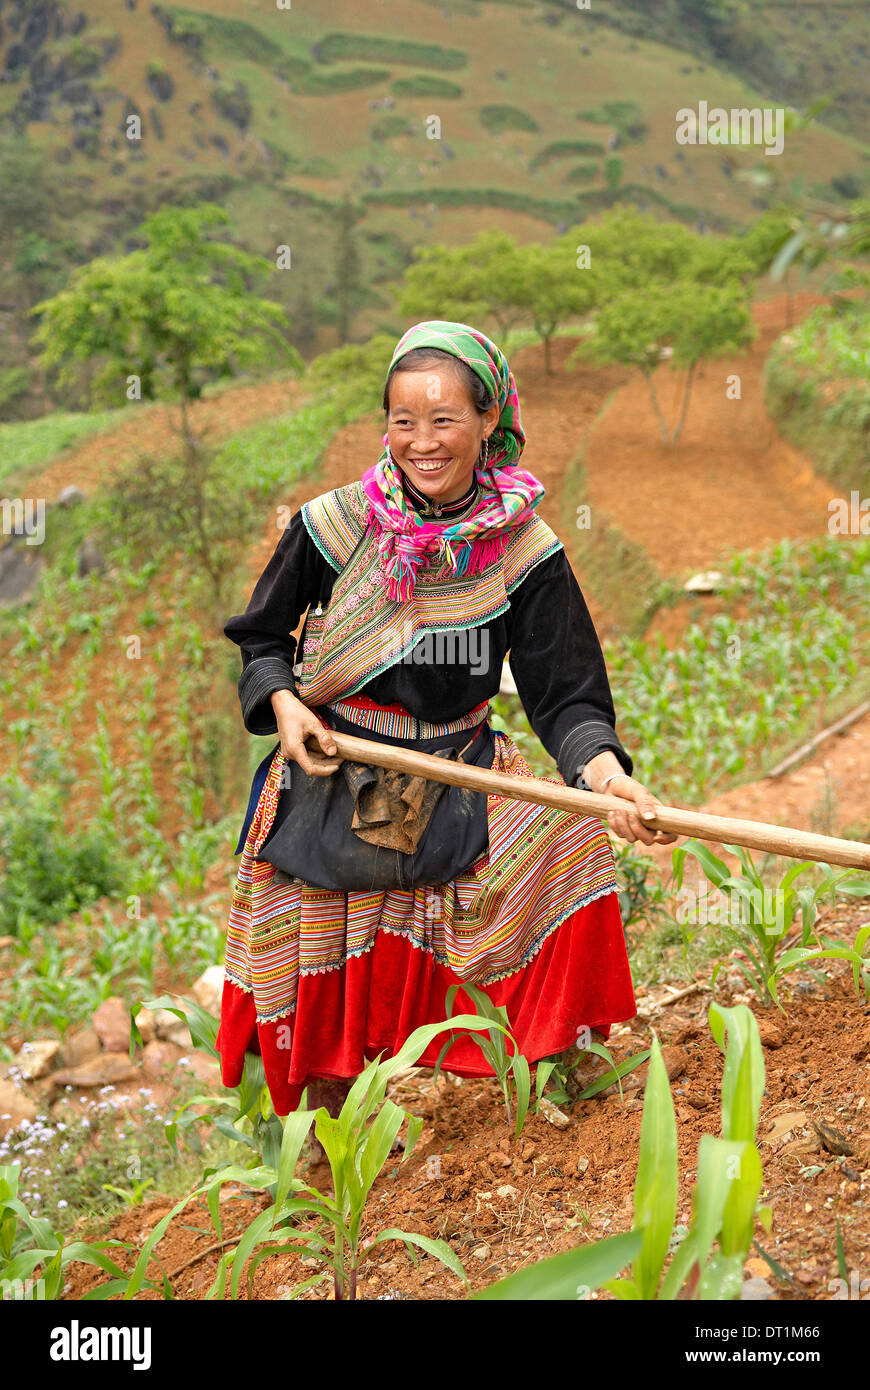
{"x":360,"y":901}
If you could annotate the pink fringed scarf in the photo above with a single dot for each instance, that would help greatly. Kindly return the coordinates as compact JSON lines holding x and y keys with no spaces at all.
{"x":508,"y":497}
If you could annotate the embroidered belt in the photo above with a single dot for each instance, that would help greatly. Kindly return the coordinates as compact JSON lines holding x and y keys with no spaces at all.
{"x":396,"y":722}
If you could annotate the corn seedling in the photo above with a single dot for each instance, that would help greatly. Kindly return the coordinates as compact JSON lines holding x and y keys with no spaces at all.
{"x":130,"y":1196}
{"x":511,"y":1069}
{"x":562,"y":1068}
{"x":357,"y":1144}
{"x":759,"y":920}
{"x":28,"y":1244}
{"x":705,"y":1262}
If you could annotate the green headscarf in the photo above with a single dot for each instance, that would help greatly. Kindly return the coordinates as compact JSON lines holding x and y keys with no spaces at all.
{"x":469,"y":345}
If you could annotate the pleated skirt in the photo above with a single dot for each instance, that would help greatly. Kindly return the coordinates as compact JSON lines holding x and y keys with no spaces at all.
{"x":320,"y":981}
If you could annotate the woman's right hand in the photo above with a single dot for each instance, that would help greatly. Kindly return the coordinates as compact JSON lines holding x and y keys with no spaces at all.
{"x":296,"y":722}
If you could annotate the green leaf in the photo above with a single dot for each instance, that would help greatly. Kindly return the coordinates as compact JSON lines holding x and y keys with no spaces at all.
{"x":203,"y":1026}
{"x":560,"y":1277}
{"x":628,"y":1064}
{"x":412,"y":1135}
{"x":655,"y":1188}
{"x":258,"y":1230}
{"x":523,"y":1079}
{"x":439,"y":1248}
{"x":296,"y":1127}
{"x":717,"y":1159}
{"x":743,"y":1075}
{"x":684,"y":1259}
{"x":375,"y":1151}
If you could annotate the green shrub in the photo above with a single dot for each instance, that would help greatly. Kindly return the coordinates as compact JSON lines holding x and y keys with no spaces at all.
{"x":498,"y":118}
{"x":582,"y":173}
{"x":234,"y":104}
{"x":343,"y":80}
{"x":625,"y":116}
{"x":380,"y":48}
{"x":48,"y":873}
{"x":14,"y":383}
{"x":558,"y":149}
{"x":388,"y":126}
{"x":424,"y":85}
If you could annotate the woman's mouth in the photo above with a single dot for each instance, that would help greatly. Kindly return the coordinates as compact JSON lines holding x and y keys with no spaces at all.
{"x":430,"y":465}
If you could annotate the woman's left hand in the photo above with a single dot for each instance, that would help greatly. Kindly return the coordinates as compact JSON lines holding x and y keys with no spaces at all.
{"x":629,"y":824}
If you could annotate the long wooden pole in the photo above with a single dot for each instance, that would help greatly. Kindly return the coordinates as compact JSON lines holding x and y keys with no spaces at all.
{"x":753,"y":834}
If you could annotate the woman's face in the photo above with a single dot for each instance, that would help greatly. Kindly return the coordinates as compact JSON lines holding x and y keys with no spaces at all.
{"x":435,"y":431}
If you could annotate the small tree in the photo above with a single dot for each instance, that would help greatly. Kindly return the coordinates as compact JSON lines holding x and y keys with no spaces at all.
{"x":347,"y":268}
{"x":465,"y":283}
{"x":169,"y":316}
{"x":172,"y":314}
{"x":546,"y":283}
{"x":694,"y":321}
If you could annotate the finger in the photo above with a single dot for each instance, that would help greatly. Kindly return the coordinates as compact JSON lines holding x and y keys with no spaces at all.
{"x":620,"y":826}
{"x":631,"y":828}
{"x":320,"y":761}
{"x":299,"y":754}
{"x":646,"y":806}
{"x":323,"y":736}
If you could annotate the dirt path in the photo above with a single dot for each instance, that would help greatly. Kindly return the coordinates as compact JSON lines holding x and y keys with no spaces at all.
{"x":732,"y":483}
{"x":89,"y":463}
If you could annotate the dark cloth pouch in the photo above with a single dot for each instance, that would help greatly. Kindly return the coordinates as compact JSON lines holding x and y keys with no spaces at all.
{"x":311,"y":837}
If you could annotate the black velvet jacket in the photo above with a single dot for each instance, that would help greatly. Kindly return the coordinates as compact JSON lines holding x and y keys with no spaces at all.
{"x":555,"y":656}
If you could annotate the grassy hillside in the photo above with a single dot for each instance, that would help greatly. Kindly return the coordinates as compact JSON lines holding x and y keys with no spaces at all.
{"x":546,"y":114}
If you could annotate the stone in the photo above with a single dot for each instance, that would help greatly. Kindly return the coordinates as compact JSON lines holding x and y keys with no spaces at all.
{"x":169,"y":1027}
{"x":706,"y":582}
{"x":80,"y":1046}
{"x":89,"y":558}
{"x":159,"y":1055}
{"x":785,"y":1123}
{"x":104,"y":1070}
{"x":675,"y":1059}
{"x":111,"y":1022}
{"x":146,"y":1025}
{"x":507,"y":1193}
{"x":697,"y":1100}
{"x":481,"y":1252}
{"x":553,"y":1115}
{"x":582,"y":1165}
{"x":208,"y":990}
{"x":36,"y":1058}
{"x":756,"y":1290}
{"x":15,"y":1106}
{"x":70,"y":495}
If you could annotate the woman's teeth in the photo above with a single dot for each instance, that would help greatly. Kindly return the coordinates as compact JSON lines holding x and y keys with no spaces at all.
{"x":430,"y":465}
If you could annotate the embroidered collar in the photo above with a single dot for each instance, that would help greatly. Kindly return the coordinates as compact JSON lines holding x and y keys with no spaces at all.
{"x":426,"y":507}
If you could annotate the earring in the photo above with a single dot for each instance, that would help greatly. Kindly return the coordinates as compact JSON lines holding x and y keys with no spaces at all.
{"x":485,"y":451}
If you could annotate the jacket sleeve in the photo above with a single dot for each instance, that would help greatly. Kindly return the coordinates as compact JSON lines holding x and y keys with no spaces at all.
{"x":293,"y":578}
{"x":558,"y":666}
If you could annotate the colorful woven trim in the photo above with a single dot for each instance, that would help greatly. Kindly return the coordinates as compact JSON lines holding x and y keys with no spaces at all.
{"x":381,"y":720}
{"x":488,"y":923}
{"x":362,"y":630}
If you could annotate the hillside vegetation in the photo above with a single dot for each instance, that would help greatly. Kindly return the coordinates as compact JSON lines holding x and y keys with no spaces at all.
{"x":315,"y":133}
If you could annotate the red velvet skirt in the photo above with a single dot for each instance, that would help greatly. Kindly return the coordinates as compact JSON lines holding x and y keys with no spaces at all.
{"x":320,"y":982}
